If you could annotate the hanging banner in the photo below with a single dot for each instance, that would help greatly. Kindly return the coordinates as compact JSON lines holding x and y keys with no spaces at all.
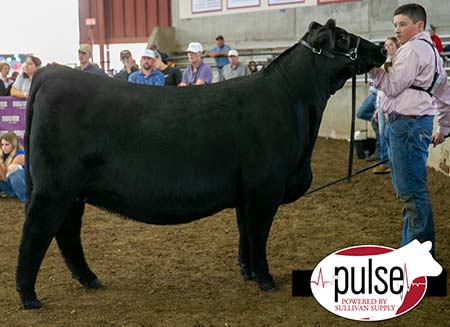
{"x":12,"y":116}
{"x":283,"y":2}
{"x":200,"y":6}
{"x":233,"y":4}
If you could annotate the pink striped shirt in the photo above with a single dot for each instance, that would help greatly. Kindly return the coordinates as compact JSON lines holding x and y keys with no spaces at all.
{"x":415,"y":65}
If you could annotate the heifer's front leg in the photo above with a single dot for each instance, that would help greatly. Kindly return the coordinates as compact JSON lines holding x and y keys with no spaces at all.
{"x":69,"y":242}
{"x":244,"y":260}
{"x":259,"y":215}
{"x":43,"y":218}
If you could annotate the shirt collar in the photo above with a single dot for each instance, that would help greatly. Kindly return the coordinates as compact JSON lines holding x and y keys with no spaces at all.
{"x":421,"y":35}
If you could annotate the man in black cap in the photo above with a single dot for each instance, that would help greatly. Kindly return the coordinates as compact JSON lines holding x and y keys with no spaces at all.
{"x":129,"y":65}
{"x":219,"y":53}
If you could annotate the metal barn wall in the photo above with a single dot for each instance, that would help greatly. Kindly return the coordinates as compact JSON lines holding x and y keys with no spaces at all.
{"x":122,"y":21}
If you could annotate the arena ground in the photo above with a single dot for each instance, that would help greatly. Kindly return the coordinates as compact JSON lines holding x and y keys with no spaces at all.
{"x":187,"y":275}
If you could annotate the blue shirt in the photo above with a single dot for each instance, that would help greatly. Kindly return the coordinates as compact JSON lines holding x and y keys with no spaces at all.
{"x":222,"y":60}
{"x":203,"y":72}
{"x":155,"y":78}
{"x":93,"y":69}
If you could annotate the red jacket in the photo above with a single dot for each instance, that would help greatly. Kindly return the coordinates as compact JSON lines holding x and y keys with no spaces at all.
{"x":437,"y":42}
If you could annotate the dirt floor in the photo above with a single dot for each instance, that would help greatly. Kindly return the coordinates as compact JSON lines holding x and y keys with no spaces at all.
{"x":187,"y":275}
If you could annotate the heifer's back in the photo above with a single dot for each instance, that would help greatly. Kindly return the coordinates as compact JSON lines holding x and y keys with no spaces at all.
{"x":161,"y":155}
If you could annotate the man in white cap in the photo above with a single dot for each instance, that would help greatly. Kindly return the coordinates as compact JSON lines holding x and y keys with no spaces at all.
{"x":234,"y":68}
{"x":147,"y":74}
{"x":197,"y":73}
{"x":84,"y":54}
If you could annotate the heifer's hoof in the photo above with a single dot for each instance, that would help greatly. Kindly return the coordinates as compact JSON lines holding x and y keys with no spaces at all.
{"x":246,"y":272}
{"x":268,"y":286}
{"x":31,"y":303}
{"x":29,"y":300}
{"x":92,"y":284}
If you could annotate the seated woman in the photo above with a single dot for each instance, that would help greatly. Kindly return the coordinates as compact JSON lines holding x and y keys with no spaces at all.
{"x":12,"y":160}
{"x":22,"y":84}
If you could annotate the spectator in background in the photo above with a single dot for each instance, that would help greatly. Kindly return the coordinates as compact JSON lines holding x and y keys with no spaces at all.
{"x":21,"y":85}
{"x":12,"y":160}
{"x":252,"y":67}
{"x":234,"y":68}
{"x":366,"y":112}
{"x":84,"y":55}
{"x":147,"y":74}
{"x":172,"y":75}
{"x":163,"y":55}
{"x":219,"y":53}
{"x":14,"y":75}
{"x":5,"y":87}
{"x":391,"y":45}
{"x":197,"y":73}
{"x":436,"y":39}
{"x":129,"y":65}
{"x":3,"y":90}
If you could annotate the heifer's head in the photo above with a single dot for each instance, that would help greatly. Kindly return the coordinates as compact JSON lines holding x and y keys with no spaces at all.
{"x":347,"y":52}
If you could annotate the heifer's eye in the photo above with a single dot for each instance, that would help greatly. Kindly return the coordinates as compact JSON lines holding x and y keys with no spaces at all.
{"x":343,"y":41}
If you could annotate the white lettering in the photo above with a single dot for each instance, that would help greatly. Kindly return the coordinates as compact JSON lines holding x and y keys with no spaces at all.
{"x":19,"y":104}
{"x":10,"y":119}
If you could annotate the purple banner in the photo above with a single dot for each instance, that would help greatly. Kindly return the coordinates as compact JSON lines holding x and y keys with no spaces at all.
{"x":12,"y":116}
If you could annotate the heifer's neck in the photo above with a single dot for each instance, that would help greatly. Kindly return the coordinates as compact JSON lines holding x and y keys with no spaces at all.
{"x":303,"y":75}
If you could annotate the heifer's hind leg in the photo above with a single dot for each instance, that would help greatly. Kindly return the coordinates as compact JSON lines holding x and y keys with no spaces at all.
{"x":43,"y":217}
{"x":259,"y":214}
{"x":69,"y":241}
{"x":244,"y":260}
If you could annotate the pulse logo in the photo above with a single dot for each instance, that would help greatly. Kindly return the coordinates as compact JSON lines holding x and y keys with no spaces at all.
{"x":372,"y":283}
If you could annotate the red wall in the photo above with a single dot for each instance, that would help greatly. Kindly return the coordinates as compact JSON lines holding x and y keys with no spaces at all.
{"x":122,"y":21}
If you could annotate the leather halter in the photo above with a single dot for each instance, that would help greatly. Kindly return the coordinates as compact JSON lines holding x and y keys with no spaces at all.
{"x":352,"y":54}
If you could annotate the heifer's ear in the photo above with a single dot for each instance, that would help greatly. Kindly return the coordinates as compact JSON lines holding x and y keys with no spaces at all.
{"x":324,"y":37}
{"x":314,"y":26}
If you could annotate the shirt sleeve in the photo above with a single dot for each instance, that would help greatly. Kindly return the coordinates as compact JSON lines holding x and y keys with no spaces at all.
{"x":184,"y":78}
{"x":401,"y":75}
{"x":442,"y":101}
{"x":18,"y":83}
{"x":205,"y":74}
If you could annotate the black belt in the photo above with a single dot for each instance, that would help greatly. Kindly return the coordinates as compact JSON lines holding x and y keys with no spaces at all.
{"x":393,"y":116}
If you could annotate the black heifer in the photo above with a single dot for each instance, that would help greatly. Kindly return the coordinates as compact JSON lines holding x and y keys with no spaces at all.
{"x":174,"y":155}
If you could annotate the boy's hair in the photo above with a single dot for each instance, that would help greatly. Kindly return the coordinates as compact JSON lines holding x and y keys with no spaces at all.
{"x":414,"y":11}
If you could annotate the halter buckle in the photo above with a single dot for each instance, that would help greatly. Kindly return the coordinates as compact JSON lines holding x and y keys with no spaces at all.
{"x":353,"y":55}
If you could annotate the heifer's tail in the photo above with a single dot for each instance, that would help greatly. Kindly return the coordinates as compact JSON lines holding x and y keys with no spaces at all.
{"x":37,"y":81}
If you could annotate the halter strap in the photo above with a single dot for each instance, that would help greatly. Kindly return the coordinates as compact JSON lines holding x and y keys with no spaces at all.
{"x":352,"y":54}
